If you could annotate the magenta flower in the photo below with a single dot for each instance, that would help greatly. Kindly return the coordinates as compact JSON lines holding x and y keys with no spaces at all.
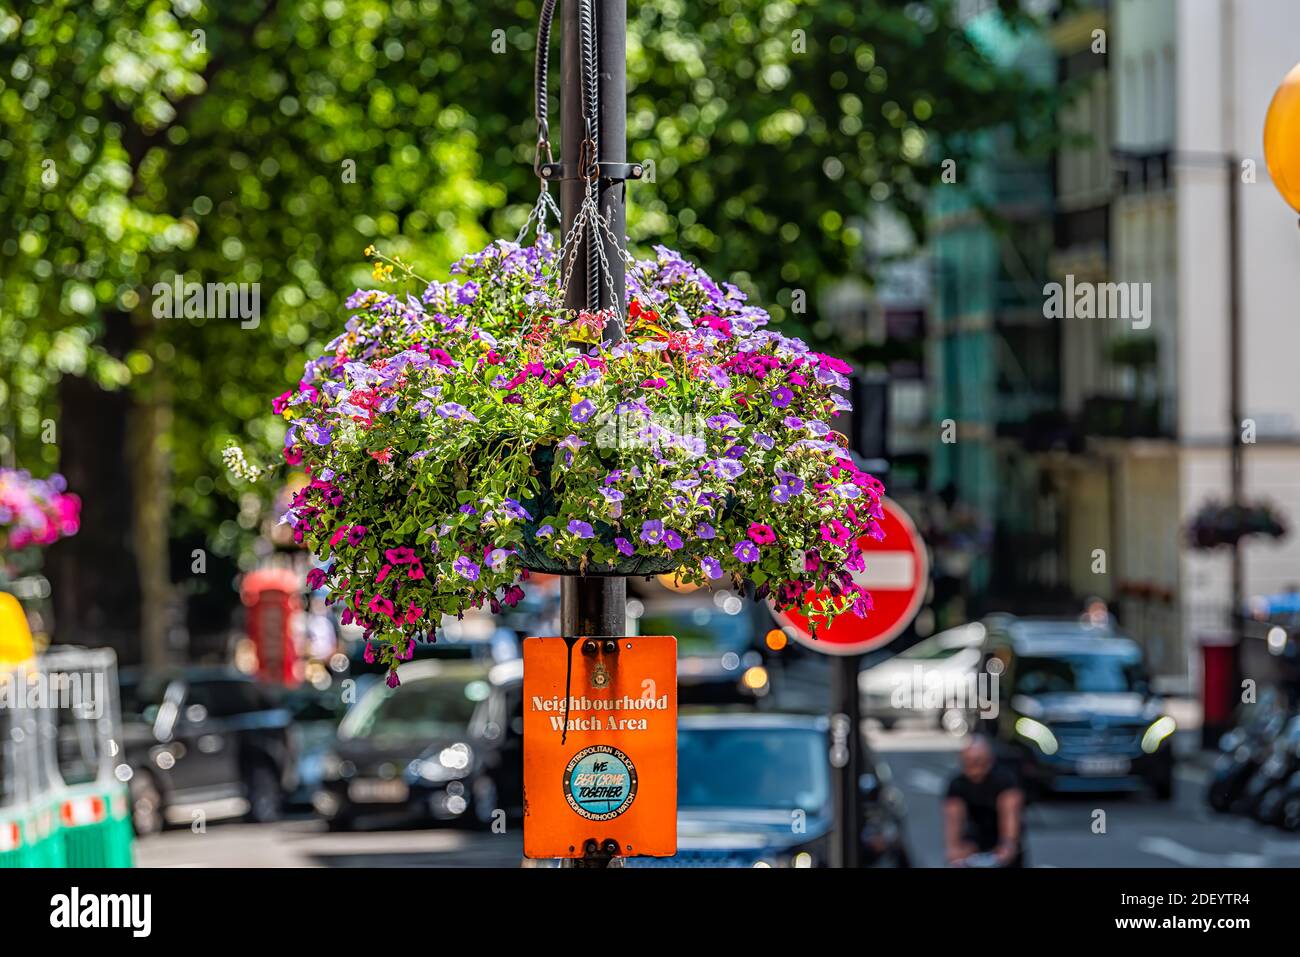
{"x":381,"y":606}
{"x":761,"y":534}
{"x":400,"y":556}
{"x":392,"y":680}
{"x":355,"y":534}
{"x":315,"y":578}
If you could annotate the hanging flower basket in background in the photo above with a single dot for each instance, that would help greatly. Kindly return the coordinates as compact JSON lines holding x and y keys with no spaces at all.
{"x":459,"y":438}
{"x":1220,"y":524}
{"x":35,"y":512}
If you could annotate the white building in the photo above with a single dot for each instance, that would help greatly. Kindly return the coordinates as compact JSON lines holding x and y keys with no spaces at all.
{"x":1189,"y":83}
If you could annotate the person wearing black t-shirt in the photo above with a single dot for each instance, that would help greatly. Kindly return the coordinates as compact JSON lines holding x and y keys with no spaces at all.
{"x":982,"y":811}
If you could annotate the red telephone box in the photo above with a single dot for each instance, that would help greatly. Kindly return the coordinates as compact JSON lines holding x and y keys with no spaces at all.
{"x":273,"y":597}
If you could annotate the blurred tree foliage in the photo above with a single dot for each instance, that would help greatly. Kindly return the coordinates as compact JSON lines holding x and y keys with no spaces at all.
{"x":270,"y":141}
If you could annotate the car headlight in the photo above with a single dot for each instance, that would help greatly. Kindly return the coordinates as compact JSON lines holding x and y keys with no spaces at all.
{"x":1038,"y":733}
{"x":1160,"y":729}
{"x":451,"y":763}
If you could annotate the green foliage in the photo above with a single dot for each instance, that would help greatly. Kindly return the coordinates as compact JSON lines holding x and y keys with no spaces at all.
{"x":140,"y":139}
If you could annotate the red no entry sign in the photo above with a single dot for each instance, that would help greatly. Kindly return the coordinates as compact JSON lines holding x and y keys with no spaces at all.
{"x":897,"y":574}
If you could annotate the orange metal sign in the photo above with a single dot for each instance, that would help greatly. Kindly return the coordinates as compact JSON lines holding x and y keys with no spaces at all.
{"x":600,"y":745}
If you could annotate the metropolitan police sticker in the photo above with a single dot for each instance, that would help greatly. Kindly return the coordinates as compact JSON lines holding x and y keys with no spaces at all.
{"x":600,"y":782}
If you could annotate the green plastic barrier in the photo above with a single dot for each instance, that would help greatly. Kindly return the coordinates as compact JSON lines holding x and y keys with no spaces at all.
{"x":92,"y":804}
{"x":95,"y":826}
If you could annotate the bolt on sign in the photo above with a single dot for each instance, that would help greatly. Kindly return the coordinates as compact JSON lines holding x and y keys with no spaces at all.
{"x":600,"y":746}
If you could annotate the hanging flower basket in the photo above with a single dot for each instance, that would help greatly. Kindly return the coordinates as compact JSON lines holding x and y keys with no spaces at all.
{"x":459,"y":438}
{"x":35,"y":512}
{"x":1220,"y":524}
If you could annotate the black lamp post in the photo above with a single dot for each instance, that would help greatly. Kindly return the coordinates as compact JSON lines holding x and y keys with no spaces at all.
{"x":594,"y":605}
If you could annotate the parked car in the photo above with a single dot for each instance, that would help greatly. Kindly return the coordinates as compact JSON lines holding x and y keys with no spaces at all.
{"x":1075,"y":709}
{"x":316,"y":713}
{"x":718,"y":662}
{"x":444,"y":746}
{"x":754,"y":790}
{"x":209,"y":738}
{"x":913,"y":683}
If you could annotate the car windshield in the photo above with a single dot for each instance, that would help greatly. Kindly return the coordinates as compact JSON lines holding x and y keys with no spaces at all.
{"x":782,"y":768}
{"x":426,"y":708}
{"x":1089,"y":673}
{"x":702,"y":630}
{"x":141,"y":695}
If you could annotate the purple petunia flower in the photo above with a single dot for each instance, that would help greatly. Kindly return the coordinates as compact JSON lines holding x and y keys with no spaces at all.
{"x":705,"y":530}
{"x":672,"y":540}
{"x":624,"y":546}
{"x":746,"y":551}
{"x":570,"y":444}
{"x":465,"y":568}
{"x":763,"y":440}
{"x":580,"y":529}
{"x":718,"y":377}
{"x":582,"y":411}
{"x":727,"y":469}
{"x":652,"y":531}
{"x":454,"y":410}
{"x":724,"y":421}
{"x":781,"y":397}
{"x":515,"y":510}
{"x":497,"y":557}
{"x":711,"y":567}
{"x":545,"y":531}
{"x":319,"y":434}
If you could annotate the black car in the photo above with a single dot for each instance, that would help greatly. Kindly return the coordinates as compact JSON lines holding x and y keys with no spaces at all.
{"x":208,"y":739}
{"x":755,"y":790}
{"x":718,"y":662}
{"x":1075,"y":711}
{"x":444,"y":746}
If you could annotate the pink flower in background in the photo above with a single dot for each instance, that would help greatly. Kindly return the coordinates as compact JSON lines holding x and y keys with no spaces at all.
{"x":35,"y":511}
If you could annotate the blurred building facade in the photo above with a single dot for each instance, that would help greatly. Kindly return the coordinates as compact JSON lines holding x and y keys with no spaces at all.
{"x":1084,"y":444}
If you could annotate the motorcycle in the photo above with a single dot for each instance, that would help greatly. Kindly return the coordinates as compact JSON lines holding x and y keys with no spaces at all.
{"x":1243,"y":750}
{"x":1263,"y":793}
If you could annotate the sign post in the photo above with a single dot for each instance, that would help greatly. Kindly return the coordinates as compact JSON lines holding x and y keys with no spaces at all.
{"x":897,"y":574}
{"x":600,"y":748}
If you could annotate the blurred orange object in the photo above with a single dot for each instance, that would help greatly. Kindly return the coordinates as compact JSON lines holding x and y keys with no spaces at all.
{"x":612,"y":775}
{"x":1282,"y":138}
